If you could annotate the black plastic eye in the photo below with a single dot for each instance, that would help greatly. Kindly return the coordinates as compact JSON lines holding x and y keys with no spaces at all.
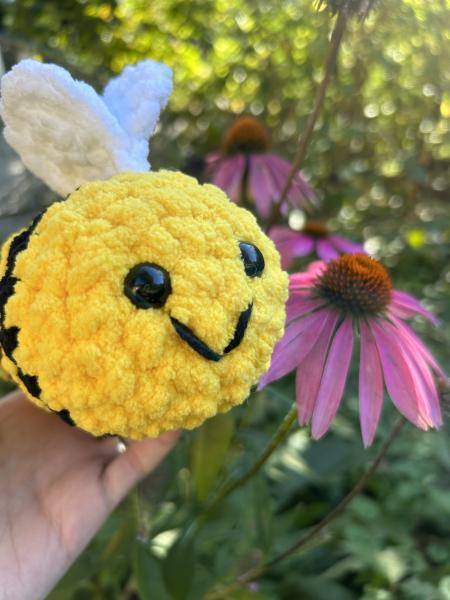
{"x":147,"y":285}
{"x":252,"y":258}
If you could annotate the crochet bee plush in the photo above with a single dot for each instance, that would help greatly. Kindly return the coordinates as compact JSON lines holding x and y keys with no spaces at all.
{"x":144,"y":301}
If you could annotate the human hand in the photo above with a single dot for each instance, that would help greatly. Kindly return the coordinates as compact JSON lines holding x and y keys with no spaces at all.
{"x":57,"y":486}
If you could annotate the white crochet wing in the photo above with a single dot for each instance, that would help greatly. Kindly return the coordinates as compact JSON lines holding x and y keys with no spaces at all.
{"x":137,"y":97}
{"x":66,"y":134}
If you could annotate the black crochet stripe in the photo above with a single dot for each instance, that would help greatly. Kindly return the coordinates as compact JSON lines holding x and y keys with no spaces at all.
{"x":30,"y":382}
{"x":8,"y":340}
{"x":8,"y":281}
{"x":9,"y":336}
{"x":64,"y":414}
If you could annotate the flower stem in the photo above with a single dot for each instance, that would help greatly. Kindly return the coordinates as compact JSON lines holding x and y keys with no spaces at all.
{"x":305,"y":137}
{"x":243,"y":196}
{"x":330,"y":64}
{"x":260,"y":570}
{"x":276,"y":440}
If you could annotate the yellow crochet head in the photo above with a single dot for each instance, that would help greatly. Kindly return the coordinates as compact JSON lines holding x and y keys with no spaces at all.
{"x":141,"y":304}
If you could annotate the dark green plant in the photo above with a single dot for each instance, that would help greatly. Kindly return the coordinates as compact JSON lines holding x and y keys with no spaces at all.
{"x":379,"y":156}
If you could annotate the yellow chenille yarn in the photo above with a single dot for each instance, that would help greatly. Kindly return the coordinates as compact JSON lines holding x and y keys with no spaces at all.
{"x":123,"y":370}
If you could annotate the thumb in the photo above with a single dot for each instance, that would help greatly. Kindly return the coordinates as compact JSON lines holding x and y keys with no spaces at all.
{"x":138,"y":460}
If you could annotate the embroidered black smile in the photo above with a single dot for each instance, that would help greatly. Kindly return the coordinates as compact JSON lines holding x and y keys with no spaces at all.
{"x":187,"y":335}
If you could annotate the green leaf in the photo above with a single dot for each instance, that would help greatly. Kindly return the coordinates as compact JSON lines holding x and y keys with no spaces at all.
{"x":391,"y":564}
{"x":444,"y":588}
{"x":208,"y":452}
{"x":179,"y":566}
{"x":248,"y":594}
{"x":148,"y":574}
{"x":330,"y":456}
{"x":319,"y":588}
{"x":77,"y":576}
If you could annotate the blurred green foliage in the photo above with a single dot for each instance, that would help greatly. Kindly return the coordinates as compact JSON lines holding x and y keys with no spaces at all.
{"x":380,"y":160}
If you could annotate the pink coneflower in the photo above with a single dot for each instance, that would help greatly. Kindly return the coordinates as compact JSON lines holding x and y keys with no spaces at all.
{"x":313,"y":237}
{"x":327,"y":305}
{"x":246,"y":170}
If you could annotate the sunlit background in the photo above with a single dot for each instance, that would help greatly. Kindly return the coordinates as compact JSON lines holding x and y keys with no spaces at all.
{"x":379,"y":160}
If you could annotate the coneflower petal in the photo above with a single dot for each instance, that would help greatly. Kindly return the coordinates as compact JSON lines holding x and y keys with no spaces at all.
{"x":293,"y":347}
{"x":228,"y":175}
{"x":300,"y":191}
{"x":309,"y":372}
{"x":260,"y":186}
{"x":306,"y":279}
{"x":281,"y":234}
{"x":399,"y":378}
{"x":413,"y":350}
{"x":302,"y":245}
{"x":276,"y":177}
{"x":333,"y":379}
{"x":405,"y":306}
{"x":425,"y":389}
{"x":290,"y":244}
{"x":280,"y":170}
{"x":344,"y":245}
{"x":325,"y":250}
{"x":419,"y":346}
{"x":298,"y":307}
{"x":370,"y":385}
{"x":294,"y":243}
{"x":212,"y":159}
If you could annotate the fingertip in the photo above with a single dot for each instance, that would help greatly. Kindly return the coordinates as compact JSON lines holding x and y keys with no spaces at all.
{"x":139,"y":459}
{"x":171,"y":437}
